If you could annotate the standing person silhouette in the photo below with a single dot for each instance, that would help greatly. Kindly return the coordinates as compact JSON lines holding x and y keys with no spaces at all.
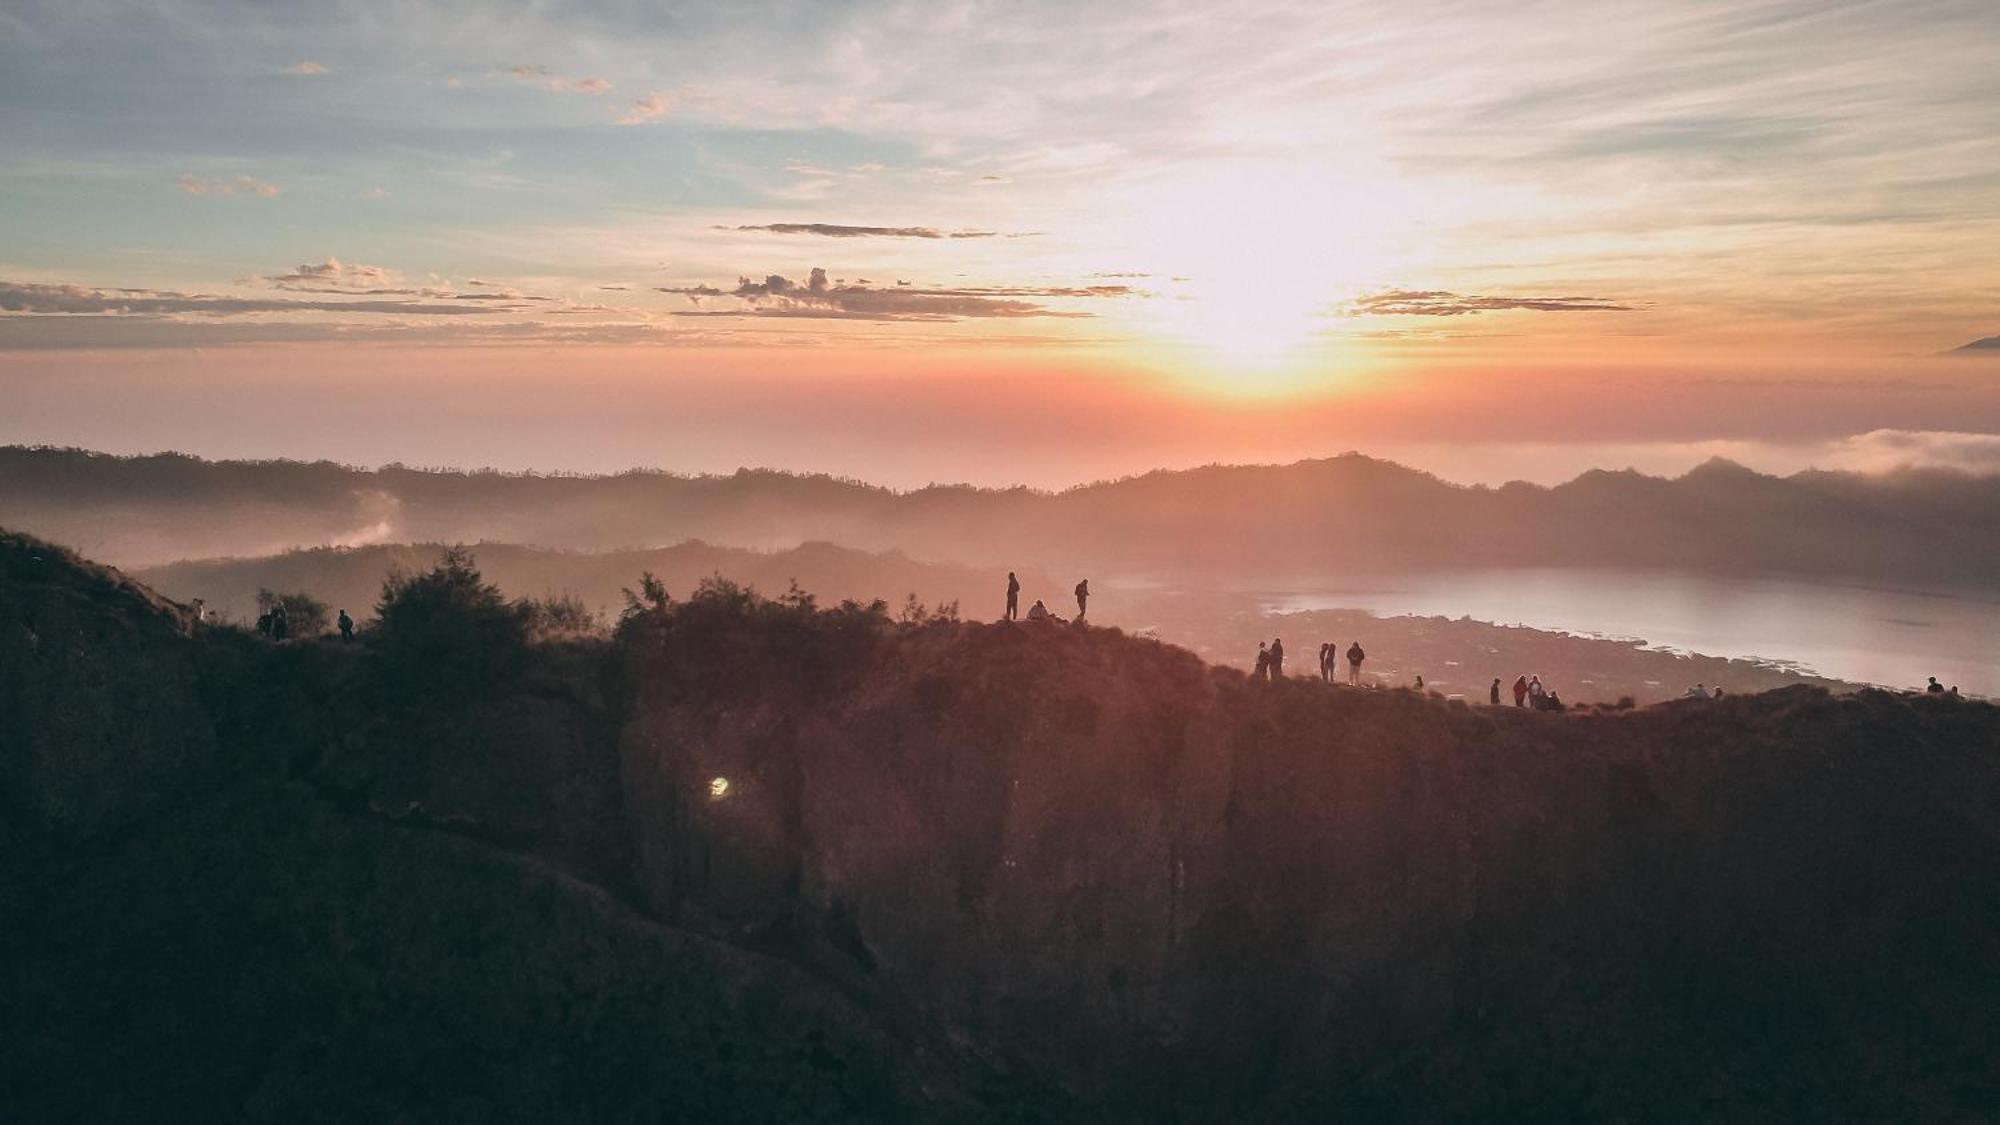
{"x":1082,"y":596}
{"x":1013,"y":598}
{"x":1493,"y":695}
{"x":1355,"y":656}
{"x":1263,"y":662}
{"x":1277,"y":658}
{"x":1521,"y":692}
{"x":1326,"y":661}
{"x":346,"y":627}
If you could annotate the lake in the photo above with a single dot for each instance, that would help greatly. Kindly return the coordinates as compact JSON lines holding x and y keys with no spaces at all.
{"x":1889,"y":637}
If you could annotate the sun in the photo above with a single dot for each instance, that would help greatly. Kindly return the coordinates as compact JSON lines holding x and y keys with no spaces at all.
{"x":1255,"y":259}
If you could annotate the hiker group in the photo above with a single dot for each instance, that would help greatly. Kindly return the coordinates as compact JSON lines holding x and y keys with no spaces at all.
{"x":1528,"y":692}
{"x":1039,"y":611}
{"x":276,"y":623}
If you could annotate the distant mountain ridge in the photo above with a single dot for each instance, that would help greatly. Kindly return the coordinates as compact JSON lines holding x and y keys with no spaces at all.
{"x":1222,"y":522}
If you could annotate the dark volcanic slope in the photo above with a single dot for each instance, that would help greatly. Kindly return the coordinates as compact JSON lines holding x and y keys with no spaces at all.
{"x":958,"y":870}
{"x":1342,"y":514}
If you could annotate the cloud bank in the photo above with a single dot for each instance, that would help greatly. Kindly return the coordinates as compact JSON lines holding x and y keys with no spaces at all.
{"x":37,"y":299}
{"x":820,"y":298}
{"x":1437,"y":302}
{"x":1883,"y":451}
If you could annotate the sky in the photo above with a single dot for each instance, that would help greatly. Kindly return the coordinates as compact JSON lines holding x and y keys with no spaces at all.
{"x":998,"y":242}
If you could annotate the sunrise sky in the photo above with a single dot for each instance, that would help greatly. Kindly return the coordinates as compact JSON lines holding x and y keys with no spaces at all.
{"x":1004,"y":242}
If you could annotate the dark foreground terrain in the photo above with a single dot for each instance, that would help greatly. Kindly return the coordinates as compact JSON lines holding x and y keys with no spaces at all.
{"x":757,"y":860}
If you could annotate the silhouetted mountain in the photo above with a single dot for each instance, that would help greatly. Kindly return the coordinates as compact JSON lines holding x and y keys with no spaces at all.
{"x":1989,"y":344}
{"x":1346,"y":514}
{"x":752,"y":860}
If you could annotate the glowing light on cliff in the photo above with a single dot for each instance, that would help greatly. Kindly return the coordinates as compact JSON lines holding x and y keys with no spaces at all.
{"x":718,"y":788}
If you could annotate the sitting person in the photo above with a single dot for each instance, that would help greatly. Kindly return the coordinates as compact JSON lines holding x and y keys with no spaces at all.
{"x":1038,"y":611}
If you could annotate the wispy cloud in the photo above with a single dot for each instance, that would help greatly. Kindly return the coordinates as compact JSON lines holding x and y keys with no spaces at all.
{"x":652,"y":107}
{"x":227,"y":185}
{"x":542,"y":78}
{"x":336,"y":275}
{"x":1436,"y":302}
{"x":306,"y":67}
{"x":839,"y":230}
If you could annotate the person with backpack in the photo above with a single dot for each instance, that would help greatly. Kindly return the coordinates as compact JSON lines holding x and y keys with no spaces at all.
{"x":1355,"y":656}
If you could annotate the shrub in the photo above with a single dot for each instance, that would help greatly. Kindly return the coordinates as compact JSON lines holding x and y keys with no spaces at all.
{"x":305,"y":615}
{"x":560,"y":617}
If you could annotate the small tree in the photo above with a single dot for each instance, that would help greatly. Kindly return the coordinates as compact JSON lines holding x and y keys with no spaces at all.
{"x":651,"y":597}
{"x":448,"y":629}
{"x":915,"y":612}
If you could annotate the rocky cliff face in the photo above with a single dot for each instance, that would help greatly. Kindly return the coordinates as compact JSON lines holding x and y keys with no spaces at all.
{"x":757,"y":861}
{"x":1155,"y":881}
